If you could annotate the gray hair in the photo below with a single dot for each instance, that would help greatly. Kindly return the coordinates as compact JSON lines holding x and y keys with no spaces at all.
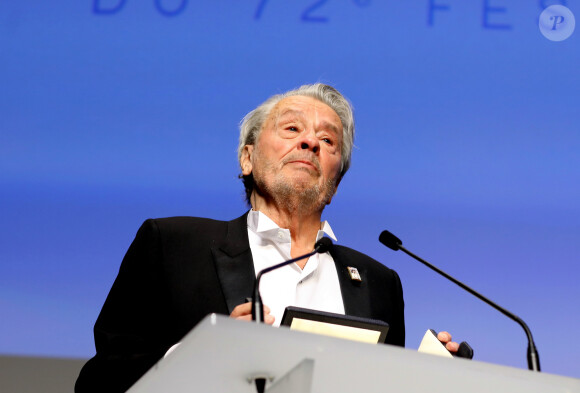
{"x":251,"y":124}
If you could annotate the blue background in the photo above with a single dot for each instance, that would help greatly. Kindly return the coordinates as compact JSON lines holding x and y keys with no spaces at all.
{"x":468,"y":145}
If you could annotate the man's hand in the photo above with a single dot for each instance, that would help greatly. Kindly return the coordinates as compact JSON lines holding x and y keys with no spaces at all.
{"x":244,"y":312}
{"x":445,"y":338}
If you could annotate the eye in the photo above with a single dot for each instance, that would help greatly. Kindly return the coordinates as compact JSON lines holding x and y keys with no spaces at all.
{"x":292,"y":128}
{"x":328,"y":141}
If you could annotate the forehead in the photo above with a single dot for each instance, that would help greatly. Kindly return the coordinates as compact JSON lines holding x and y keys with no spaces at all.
{"x":305,"y":107}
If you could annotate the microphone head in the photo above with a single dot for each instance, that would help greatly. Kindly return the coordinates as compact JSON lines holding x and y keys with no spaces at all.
{"x":323,"y":245}
{"x":390,"y":240}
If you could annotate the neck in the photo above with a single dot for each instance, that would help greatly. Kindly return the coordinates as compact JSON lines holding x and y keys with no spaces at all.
{"x":302,"y":221}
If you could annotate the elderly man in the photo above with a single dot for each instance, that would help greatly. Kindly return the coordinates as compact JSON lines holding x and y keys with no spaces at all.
{"x":294,"y":150}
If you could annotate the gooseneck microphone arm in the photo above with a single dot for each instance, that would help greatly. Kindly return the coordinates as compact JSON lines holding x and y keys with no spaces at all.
{"x":321,"y":246}
{"x":394,"y":243}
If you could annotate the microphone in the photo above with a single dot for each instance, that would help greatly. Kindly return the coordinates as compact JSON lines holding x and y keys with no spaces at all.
{"x":321,"y":246}
{"x":394,"y":243}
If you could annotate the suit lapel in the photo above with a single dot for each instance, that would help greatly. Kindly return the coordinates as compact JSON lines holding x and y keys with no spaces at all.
{"x":355,"y":294}
{"x":235,"y":268}
{"x":234,"y":263}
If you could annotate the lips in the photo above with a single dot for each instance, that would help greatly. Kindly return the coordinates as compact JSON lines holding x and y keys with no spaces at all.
{"x":303,"y":162}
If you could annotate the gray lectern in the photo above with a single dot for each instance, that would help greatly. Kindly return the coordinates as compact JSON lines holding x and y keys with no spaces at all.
{"x":223,"y":355}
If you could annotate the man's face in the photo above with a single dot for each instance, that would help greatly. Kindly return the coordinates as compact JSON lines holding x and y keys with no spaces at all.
{"x":298,"y":152}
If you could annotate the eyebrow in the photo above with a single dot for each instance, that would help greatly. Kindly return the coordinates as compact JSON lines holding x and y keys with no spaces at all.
{"x":324,"y":124}
{"x":331,"y":127}
{"x":291,"y":112}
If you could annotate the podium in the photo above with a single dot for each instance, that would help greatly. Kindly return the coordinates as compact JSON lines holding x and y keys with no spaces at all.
{"x":222,"y":355}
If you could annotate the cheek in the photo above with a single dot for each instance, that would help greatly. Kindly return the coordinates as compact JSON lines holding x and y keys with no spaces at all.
{"x":333,"y":166}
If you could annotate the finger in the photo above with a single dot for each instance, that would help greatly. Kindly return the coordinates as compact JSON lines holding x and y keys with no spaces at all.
{"x":246,"y":317}
{"x":269,"y":319}
{"x":241,"y":310}
{"x":244,"y":312}
{"x":444,"y":337}
{"x":452,"y":346}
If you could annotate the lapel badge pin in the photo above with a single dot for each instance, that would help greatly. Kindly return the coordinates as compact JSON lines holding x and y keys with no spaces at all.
{"x":354,"y":274}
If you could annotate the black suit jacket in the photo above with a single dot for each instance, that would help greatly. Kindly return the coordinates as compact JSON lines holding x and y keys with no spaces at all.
{"x":180,"y":269}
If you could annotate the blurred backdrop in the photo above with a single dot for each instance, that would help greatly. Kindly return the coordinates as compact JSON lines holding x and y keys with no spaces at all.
{"x":467,"y":148}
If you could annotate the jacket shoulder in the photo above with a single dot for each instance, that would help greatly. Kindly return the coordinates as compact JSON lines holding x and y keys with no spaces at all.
{"x":199,"y":227}
{"x":185,"y":223}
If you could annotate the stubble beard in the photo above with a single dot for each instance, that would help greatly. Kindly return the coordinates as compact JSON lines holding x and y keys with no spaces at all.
{"x":294,"y":195}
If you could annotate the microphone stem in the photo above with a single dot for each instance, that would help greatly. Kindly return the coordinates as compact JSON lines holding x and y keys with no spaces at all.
{"x":533,"y":356}
{"x":257,"y":306}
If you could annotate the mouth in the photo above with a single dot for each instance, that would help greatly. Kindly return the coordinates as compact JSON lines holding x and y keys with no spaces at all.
{"x":304,"y":164}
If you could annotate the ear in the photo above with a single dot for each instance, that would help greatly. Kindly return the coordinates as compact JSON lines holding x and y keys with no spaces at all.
{"x":246,"y":160}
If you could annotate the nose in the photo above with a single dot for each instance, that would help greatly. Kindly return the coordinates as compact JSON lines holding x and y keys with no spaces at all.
{"x":308,"y":141}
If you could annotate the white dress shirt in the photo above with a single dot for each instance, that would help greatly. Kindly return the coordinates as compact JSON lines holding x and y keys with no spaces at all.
{"x":315,"y":287}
